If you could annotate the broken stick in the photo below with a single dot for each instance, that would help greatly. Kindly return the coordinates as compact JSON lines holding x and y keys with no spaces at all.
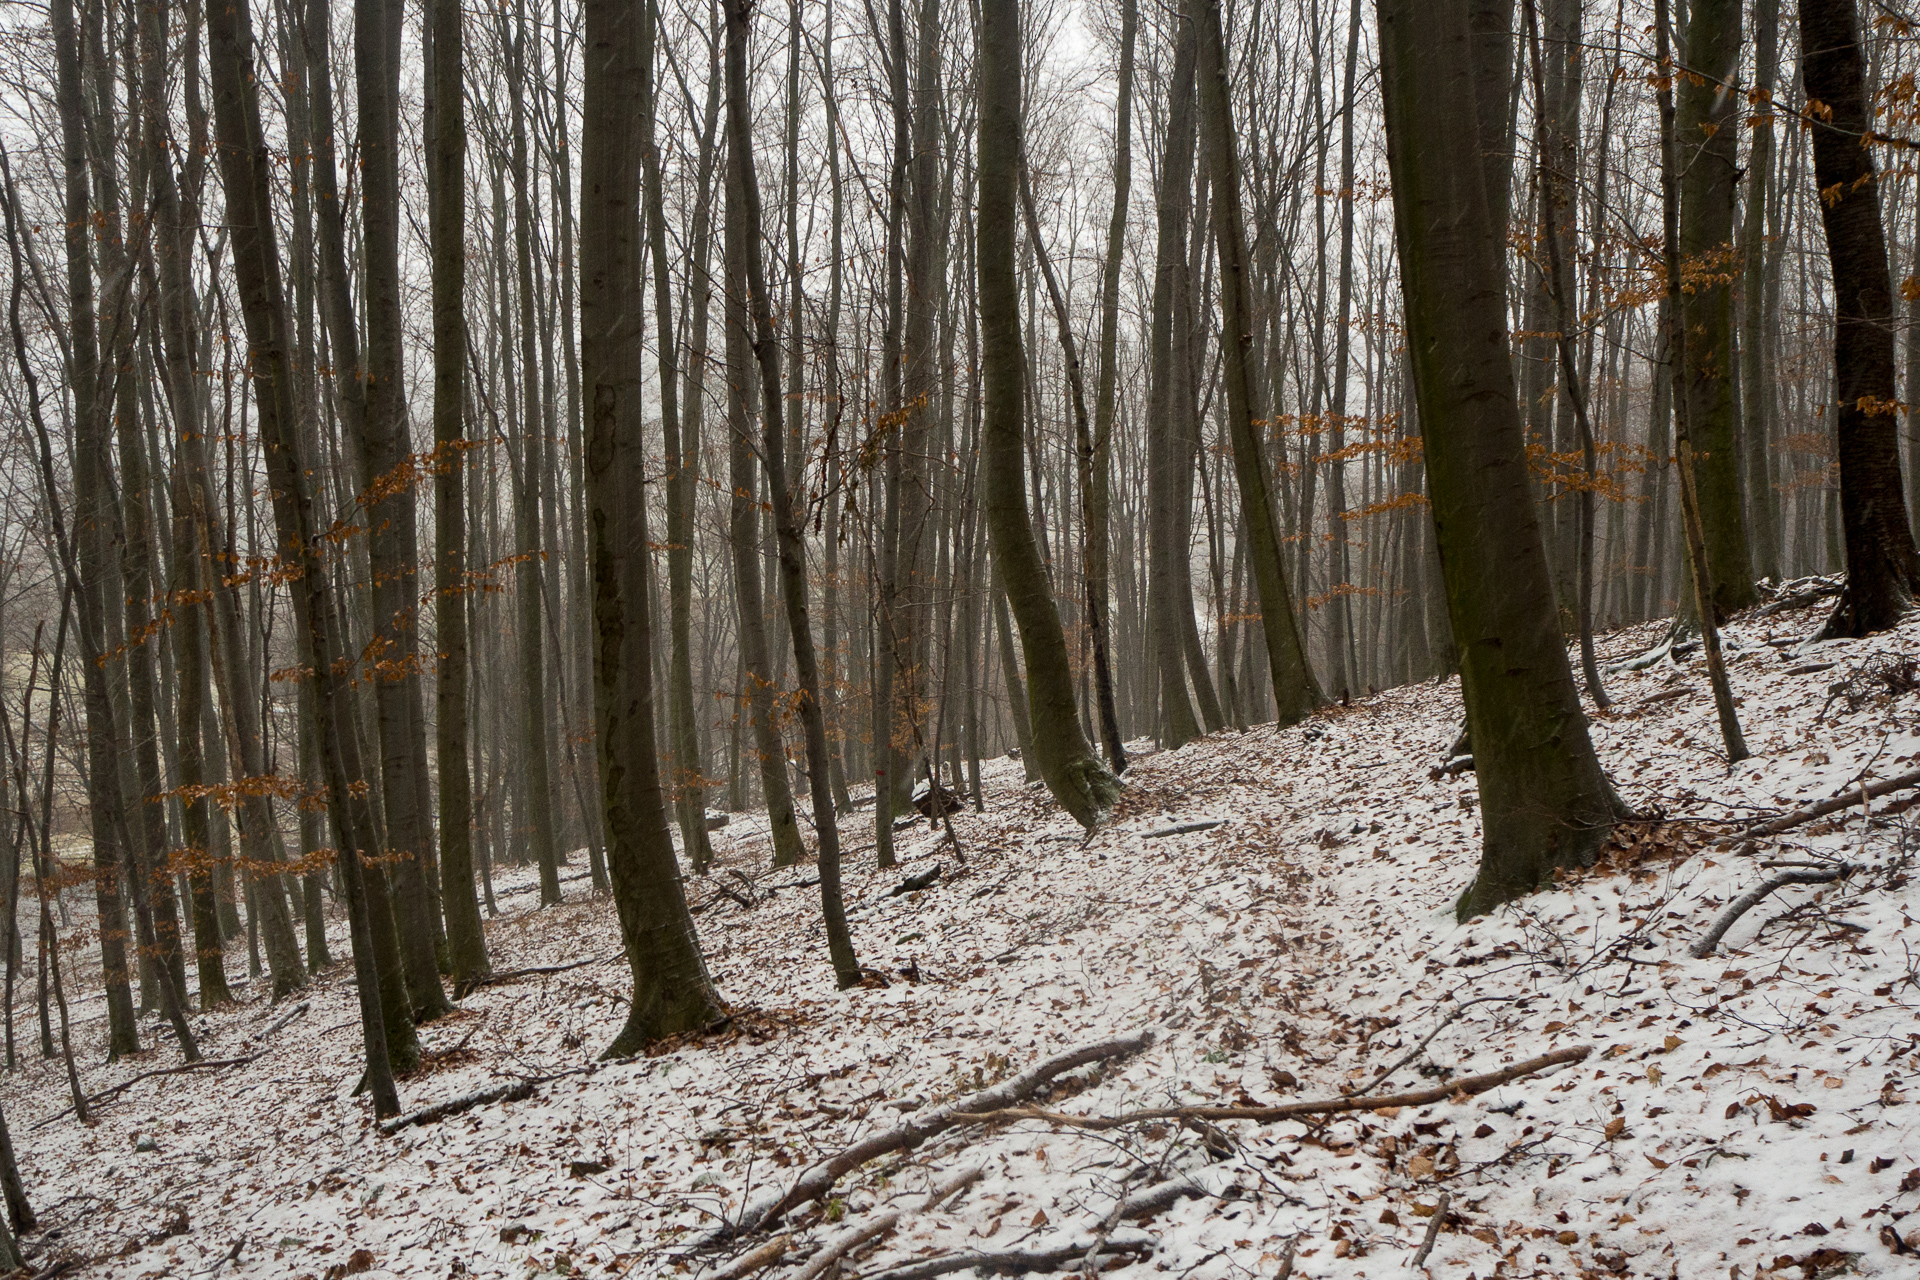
{"x":845,"y":1243}
{"x":1465,"y":1087}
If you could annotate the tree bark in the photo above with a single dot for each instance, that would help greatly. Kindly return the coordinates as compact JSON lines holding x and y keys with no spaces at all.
{"x":1073,"y":772}
{"x":1709,"y":159}
{"x":1882,"y":568}
{"x":246,"y":167}
{"x":1295,"y":691}
{"x":1544,"y":801}
{"x":671,"y":989}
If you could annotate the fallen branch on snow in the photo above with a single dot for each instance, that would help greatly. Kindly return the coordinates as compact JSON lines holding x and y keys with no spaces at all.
{"x":1464,"y":1087}
{"x":758,"y":1260}
{"x":534,"y":971}
{"x":124,"y":1085}
{"x":845,"y":1243}
{"x":285,"y":1018}
{"x":1834,"y":804}
{"x":817,"y":1180}
{"x":1186,"y":828}
{"x":454,"y":1106}
{"x":1751,"y":898}
{"x":1006,"y":1260}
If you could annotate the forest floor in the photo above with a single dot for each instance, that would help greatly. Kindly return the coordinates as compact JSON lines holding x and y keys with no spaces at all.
{"x":1742,"y":1115}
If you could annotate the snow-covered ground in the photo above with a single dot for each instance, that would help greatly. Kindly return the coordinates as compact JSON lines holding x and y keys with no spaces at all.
{"x":1742,"y":1115}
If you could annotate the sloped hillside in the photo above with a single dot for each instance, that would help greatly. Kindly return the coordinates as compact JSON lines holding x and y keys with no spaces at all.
{"x":1273,"y":907}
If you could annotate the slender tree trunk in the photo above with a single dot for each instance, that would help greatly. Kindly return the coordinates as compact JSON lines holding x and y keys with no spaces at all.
{"x":246,"y":168}
{"x":447,"y":216}
{"x":744,"y":209}
{"x":1296,"y":692}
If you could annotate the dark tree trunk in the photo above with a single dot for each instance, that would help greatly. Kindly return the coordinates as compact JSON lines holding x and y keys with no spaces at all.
{"x":1882,"y":568}
{"x":671,"y":989}
{"x":447,"y":216}
{"x":1073,"y":772}
{"x":1544,"y":801}
{"x":246,"y":167}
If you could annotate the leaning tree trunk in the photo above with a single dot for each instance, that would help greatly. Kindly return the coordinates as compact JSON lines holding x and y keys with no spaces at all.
{"x":1073,"y":772}
{"x":1544,"y":801}
{"x":1882,"y":567}
{"x":671,"y":989}
{"x":1296,"y":693}
{"x":246,"y":167}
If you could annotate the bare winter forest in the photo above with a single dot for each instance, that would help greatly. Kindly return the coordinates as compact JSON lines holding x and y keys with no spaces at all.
{"x":1226,"y":638}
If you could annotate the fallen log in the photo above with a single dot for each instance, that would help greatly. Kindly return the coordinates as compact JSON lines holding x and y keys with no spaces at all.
{"x":1008,"y":1260}
{"x":1751,"y":898}
{"x":285,"y":1018}
{"x":513,"y":1092}
{"x":532,"y":971}
{"x":124,"y":1085}
{"x":819,"y":1178}
{"x":942,"y":1192}
{"x":1466,"y":1086}
{"x":1200,"y":1184}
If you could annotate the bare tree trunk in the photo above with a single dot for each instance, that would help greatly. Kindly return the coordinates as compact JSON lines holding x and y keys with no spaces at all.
{"x":246,"y":167}
{"x":1073,"y":772}
{"x":1883,"y":570}
{"x":744,"y":210}
{"x":671,"y":989}
{"x":1296,"y":692}
{"x":447,"y":218}
{"x":1544,"y":799}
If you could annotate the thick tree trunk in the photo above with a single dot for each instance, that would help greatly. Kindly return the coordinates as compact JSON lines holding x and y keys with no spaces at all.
{"x":1544,"y":801}
{"x":1883,"y":570}
{"x":671,"y":989}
